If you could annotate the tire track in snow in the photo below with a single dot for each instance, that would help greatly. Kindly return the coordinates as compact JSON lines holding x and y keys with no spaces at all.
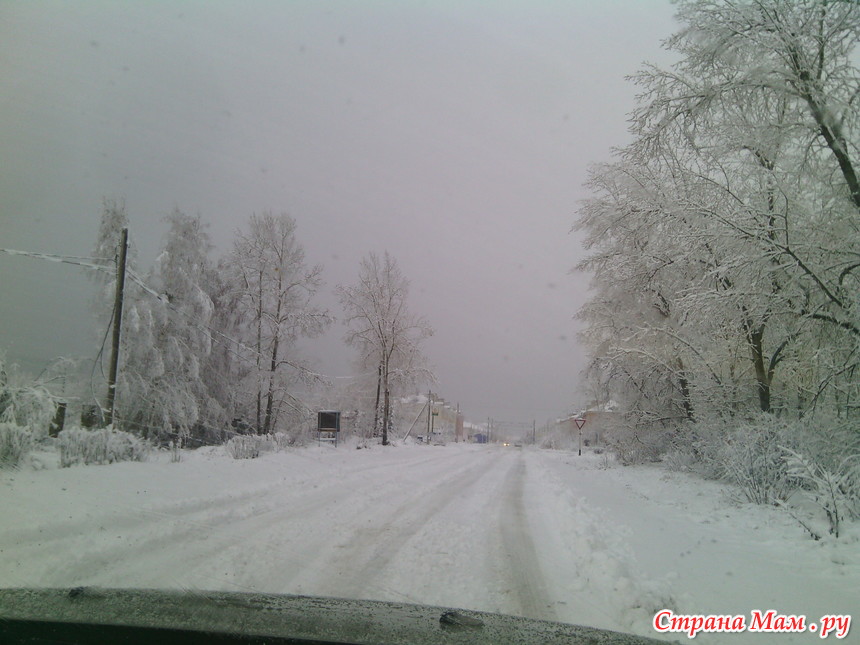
{"x":524,"y":573}
{"x":183,"y":511}
{"x":356,"y":566}
{"x":202,"y":546}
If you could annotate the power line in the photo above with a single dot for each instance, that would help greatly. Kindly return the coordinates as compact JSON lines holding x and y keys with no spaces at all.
{"x":64,"y":259}
{"x":106,"y":266}
{"x":215,"y":336}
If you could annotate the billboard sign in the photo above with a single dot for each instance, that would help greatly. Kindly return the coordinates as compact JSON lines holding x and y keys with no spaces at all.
{"x":328,"y":421}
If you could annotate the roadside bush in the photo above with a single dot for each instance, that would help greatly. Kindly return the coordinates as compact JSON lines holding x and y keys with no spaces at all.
{"x":680,"y":460}
{"x":639,"y":446}
{"x":24,"y":402}
{"x":834,"y":491}
{"x":252,"y":446}
{"x":752,"y":457}
{"x":773,"y":460}
{"x":102,"y":446}
{"x":15,"y":443}
{"x":247,"y":446}
{"x":825,"y":466}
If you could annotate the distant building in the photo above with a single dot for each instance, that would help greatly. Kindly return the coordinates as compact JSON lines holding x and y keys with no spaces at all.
{"x":597,"y":418}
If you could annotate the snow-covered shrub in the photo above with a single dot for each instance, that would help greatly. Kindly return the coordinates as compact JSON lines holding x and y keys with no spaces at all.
{"x":24,"y":402}
{"x":284,"y":440}
{"x":752,"y":458}
{"x":244,"y":447}
{"x":696,"y":447}
{"x":606,"y":460}
{"x":680,"y":460}
{"x":26,"y":410}
{"x":640,"y":445}
{"x":836,"y":491}
{"x":252,"y":446}
{"x":15,"y":442}
{"x":102,"y":446}
{"x":707,"y":451}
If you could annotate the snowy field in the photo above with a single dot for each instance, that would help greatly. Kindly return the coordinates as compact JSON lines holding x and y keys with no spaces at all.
{"x":543,"y":534}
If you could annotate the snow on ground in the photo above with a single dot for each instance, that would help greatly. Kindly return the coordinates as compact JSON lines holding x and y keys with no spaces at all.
{"x":542,"y":534}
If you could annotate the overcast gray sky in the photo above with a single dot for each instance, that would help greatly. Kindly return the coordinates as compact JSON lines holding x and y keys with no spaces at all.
{"x":454,"y":134}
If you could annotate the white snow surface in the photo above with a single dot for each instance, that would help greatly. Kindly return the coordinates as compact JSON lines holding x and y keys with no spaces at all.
{"x":543,"y":534}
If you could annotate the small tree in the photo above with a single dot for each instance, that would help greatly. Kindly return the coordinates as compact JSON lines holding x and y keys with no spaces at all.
{"x":379,"y":324}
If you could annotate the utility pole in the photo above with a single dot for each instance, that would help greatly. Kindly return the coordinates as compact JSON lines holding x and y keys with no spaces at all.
{"x":429,"y":412}
{"x":534,"y":431}
{"x":117,"y":326}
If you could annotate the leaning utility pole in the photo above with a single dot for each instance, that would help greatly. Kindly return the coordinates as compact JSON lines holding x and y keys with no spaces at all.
{"x":429,"y":414}
{"x":117,"y":324}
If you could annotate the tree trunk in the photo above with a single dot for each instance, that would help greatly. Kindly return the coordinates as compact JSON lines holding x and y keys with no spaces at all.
{"x":270,"y":396}
{"x":762,"y":378}
{"x":386,"y":407}
{"x":685,"y":397}
{"x":375,"y":429}
{"x":386,"y":414}
{"x":259,"y":348}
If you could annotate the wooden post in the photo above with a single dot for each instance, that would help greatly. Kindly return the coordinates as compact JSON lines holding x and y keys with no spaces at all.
{"x":117,"y":325}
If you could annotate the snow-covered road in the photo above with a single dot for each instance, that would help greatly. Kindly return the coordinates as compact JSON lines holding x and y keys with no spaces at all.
{"x":533,"y":533}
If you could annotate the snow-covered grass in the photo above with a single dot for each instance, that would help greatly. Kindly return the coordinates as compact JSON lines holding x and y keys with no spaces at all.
{"x":541,"y":533}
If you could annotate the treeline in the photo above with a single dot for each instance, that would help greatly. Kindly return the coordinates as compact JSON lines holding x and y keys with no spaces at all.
{"x":207,"y":344}
{"x":724,"y":242}
{"x":209,"y":347}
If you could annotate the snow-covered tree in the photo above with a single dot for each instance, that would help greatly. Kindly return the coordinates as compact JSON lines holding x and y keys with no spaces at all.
{"x":725,"y":240}
{"x":380,"y":326}
{"x":272,"y":289}
{"x":168,"y":337}
{"x":165,"y":332}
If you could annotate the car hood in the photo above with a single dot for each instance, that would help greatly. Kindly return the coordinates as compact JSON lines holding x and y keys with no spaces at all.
{"x":153,"y":615}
